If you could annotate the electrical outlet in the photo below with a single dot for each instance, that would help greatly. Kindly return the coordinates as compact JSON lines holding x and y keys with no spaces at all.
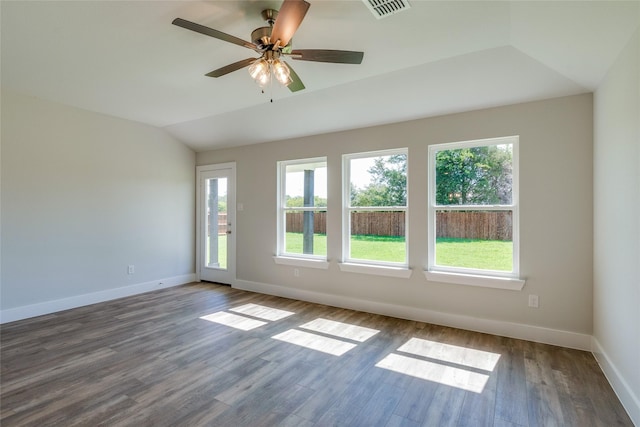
{"x":296,"y":272}
{"x":131,"y":269}
{"x":534,"y":302}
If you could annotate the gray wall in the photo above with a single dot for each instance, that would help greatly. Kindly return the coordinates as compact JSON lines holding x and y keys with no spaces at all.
{"x":83,"y":196}
{"x":617,"y":226}
{"x":556,"y":143}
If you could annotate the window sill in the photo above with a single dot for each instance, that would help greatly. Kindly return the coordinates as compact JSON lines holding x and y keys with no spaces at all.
{"x":302,"y":262}
{"x":377,"y":270}
{"x":496,"y":282}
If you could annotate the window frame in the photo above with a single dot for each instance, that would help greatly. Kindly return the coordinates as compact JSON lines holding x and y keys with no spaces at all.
{"x":472,"y":276}
{"x":287,"y":258}
{"x":356,"y":265}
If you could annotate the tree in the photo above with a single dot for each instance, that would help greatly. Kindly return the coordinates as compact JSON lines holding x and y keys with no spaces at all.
{"x":222,"y":203}
{"x":476,"y":176}
{"x":388,"y":183}
{"x":298,"y":201}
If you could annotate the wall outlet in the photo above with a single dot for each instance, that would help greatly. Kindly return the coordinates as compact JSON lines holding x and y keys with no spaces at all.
{"x":534,"y":302}
{"x":131,"y":269}
{"x":296,"y":272}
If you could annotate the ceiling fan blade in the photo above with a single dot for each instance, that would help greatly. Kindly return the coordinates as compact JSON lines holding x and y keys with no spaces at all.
{"x":289,"y":18}
{"x":231,"y":68}
{"x":296,"y":84}
{"x":324,"y":55}
{"x":214,"y":33}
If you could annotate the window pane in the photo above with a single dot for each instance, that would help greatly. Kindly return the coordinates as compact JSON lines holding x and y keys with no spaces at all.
{"x":306,"y":185}
{"x":306,"y":232}
{"x":378,"y":181}
{"x":474,"y":239}
{"x":216,"y":245}
{"x":378,"y":236}
{"x":475,"y":176}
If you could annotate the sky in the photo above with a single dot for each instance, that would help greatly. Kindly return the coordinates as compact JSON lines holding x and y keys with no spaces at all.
{"x":295,"y":180}
{"x":359,"y":176}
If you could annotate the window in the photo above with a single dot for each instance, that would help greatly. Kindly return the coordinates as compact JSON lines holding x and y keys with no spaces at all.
{"x":302,"y":209}
{"x":473,"y":212}
{"x":375,"y":208}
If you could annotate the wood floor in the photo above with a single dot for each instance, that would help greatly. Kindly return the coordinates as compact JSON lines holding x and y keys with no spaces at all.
{"x":205,"y":354}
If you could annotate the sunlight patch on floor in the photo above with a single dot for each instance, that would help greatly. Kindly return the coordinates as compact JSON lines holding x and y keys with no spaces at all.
{"x":233,"y":320}
{"x":461,"y":367}
{"x":453,"y":354}
{"x":430,"y":371}
{"x":315,"y":342}
{"x":262,"y":312}
{"x":339,"y":329}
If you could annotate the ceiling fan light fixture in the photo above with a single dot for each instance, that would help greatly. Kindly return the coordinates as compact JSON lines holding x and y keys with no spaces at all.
{"x":260,"y":71}
{"x":258,"y":67}
{"x":272,"y":41}
{"x":263,"y":79}
{"x":281,"y":72}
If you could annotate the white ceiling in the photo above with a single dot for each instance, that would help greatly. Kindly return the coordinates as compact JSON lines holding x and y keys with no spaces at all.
{"x":125,"y":59}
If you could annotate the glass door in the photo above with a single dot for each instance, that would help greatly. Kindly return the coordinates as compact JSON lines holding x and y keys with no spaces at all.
{"x":216,"y":223}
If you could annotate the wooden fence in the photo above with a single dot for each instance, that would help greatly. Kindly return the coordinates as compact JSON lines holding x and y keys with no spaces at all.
{"x":489,"y":225}
{"x":222,"y":223}
{"x":378,"y":223}
{"x":492,"y":225}
{"x":294,"y":222}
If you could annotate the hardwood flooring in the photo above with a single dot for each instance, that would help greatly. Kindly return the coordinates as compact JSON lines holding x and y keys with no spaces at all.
{"x":205,"y":354}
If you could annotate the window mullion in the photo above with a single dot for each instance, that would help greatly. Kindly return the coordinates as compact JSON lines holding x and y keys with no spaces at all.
{"x":473,"y":207}
{"x":306,"y":208}
{"x":377,"y":208}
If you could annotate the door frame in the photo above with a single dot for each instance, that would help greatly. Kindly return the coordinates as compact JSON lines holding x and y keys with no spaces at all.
{"x":231,"y":217}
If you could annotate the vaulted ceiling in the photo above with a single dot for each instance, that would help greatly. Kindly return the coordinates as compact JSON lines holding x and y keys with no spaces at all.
{"x":125,"y":59}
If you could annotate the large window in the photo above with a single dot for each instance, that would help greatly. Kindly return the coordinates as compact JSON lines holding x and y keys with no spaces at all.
{"x":375,"y":208}
{"x":302,"y":208}
{"x":473,"y":207}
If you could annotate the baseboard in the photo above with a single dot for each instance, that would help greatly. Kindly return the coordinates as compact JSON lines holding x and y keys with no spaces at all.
{"x":628,"y":398}
{"x":507,"y":329}
{"x":48,"y":307}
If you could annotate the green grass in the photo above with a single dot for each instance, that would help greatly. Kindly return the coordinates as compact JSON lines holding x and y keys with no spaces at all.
{"x":374,"y":248}
{"x":294,"y":243}
{"x":222,"y":250}
{"x":479,"y":254}
{"x":468,"y":253}
{"x":378,"y":248}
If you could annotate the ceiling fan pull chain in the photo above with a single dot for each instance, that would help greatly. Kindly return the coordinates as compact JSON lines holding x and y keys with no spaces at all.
{"x":271,"y":84}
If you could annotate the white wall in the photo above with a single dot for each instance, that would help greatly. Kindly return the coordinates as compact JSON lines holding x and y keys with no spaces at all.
{"x":83,"y":196}
{"x":556,"y":138}
{"x":617,"y":226}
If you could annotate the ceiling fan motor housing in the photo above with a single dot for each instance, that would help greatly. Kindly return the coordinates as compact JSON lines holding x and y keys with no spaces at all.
{"x":261,"y":37}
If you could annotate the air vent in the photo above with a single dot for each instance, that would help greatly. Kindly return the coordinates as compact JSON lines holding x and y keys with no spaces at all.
{"x":383,"y":8}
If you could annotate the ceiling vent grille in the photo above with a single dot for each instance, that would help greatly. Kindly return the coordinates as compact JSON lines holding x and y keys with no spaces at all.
{"x":383,"y":8}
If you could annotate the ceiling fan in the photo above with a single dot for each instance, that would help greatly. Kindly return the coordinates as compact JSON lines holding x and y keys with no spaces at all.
{"x":272,"y":43}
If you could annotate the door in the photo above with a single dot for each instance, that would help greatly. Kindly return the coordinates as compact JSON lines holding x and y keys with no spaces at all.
{"x":216,"y":241}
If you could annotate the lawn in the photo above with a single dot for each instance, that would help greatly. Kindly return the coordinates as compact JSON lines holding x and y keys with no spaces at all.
{"x":376,"y":248}
{"x":479,"y":254}
{"x":222,"y":251}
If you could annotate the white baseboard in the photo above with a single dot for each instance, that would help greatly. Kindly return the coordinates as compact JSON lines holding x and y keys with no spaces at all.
{"x":628,"y":398}
{"x":495,"y":327}
{"x":47,"y":307}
